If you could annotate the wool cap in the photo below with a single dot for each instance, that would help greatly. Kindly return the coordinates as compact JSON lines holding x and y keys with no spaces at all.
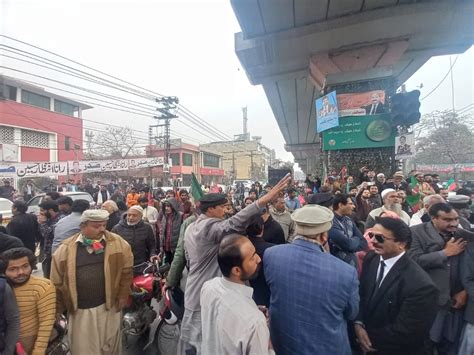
{"x":94,"y":216}
{"x":459,"y":201}
{"x":312,"y":220}
{"x":137,"y":208}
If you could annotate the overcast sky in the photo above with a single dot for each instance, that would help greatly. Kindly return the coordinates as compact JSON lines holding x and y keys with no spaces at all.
{"x":180,"y":48}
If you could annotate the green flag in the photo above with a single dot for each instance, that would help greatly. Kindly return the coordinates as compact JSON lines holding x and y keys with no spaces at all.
{"x":196,"y":191}
{"x":413,"y":199}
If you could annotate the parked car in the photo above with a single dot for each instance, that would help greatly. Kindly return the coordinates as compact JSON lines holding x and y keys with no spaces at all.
{"x":6,"y":210}
{"x":33,"y":204}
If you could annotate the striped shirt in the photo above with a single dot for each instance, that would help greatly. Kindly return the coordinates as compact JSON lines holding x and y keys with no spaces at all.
{"x":36,"y":301}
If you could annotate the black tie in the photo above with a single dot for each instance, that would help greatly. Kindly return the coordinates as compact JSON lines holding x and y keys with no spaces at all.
{"x":380,"y":275}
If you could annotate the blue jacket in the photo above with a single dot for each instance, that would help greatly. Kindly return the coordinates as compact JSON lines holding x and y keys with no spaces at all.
{"x":292,"y":204}
{"x":65,"y":228}
{"x":345,"y":239}
{"x":313,"y":294}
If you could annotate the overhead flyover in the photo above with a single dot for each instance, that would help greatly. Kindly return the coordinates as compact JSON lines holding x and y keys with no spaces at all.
{"x":295,"y":48}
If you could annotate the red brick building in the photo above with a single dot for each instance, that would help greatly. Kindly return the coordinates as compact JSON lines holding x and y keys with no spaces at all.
{"x":42,"y":126}
{"x":187,"y":159}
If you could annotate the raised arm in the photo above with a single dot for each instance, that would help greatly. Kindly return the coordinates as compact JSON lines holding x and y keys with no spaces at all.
{"x":240,"y":221}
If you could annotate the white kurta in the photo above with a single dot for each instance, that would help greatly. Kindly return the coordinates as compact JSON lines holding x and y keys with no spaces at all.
{"x":95,"y":331}
{"x":231,"y":321}
{"x":151,"y":213}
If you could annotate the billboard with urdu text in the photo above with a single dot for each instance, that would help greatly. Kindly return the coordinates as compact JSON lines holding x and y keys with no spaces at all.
{"x":355,"y":132}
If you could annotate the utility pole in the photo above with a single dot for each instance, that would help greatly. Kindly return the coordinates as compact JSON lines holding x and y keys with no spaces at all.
{"x":89,"y":143}
{"x":251,"y":165}
{"x":234,"y":176}
{"x":452,"y":84}
{"x":168,"y":105}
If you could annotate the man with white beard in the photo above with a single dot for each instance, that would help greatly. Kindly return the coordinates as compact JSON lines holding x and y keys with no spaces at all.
{"x":391,"y":202}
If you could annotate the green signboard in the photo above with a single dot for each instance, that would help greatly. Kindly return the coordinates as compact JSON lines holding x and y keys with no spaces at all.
{"x":355,"y":132}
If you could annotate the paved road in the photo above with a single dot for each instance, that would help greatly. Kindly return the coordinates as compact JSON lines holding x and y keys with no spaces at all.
{"x":169,"y":334}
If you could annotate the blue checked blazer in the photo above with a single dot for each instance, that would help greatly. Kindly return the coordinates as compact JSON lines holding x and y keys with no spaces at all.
{"x":313,"y":294}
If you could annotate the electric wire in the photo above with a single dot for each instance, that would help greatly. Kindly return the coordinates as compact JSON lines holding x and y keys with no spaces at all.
{"x":209,"y":127}
{"x":77,"y":63}
{"x":442,"y":80}
{"x":72,"y":73}
{"x":188,"y":113}
{"x":136,"y":111}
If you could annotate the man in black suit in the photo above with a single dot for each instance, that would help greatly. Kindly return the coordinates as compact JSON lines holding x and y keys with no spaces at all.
{"x":397,"y":298}
{"x":437,"y":247}
{"x":467,"y":337}
{"x":376,"y":106}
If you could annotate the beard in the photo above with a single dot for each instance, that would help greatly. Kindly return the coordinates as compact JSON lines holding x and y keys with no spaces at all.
{"x":395,"y":207}
{"x":20,"y":280}
{"x":248,"y":276}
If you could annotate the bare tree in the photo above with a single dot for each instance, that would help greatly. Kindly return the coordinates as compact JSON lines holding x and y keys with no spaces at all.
{"x":116,"y":143}
{"x":444,"y":137}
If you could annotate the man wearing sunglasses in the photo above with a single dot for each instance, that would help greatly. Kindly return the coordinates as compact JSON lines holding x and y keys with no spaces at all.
{"x":397,"y":298}
{"x":438,"y":247}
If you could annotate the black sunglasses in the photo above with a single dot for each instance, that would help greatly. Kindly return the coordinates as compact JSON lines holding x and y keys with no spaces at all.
{"x":379,"y":237}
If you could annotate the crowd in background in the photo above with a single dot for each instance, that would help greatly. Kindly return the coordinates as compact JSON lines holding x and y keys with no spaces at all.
{"x":297,"y":250}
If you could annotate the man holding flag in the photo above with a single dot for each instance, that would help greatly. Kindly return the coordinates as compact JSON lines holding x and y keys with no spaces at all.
{"x":418,"y":189}
{"x":179,"y":261}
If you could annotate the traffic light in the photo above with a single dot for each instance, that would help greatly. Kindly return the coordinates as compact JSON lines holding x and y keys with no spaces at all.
{"x":405,"y":108}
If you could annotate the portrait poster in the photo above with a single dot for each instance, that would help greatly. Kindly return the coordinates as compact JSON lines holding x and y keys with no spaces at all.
{"x":327,"y":114}
{"x":362,"y":103}
{"x":405,"y":146}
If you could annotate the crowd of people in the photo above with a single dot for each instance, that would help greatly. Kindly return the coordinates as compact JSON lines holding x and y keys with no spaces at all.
{"x":347,"y":265}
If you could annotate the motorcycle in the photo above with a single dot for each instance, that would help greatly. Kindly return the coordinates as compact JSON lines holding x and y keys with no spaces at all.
{"x":139,"y":313}
{"x":140,"y":317}
{"x":58,"y":344}
{"x":164,"y":332}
